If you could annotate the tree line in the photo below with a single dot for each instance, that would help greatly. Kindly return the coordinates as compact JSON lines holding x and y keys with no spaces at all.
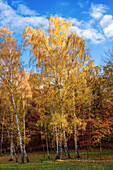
{"x":67,"y":98}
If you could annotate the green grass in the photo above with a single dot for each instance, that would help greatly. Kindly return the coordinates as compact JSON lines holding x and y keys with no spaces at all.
{"x":58,"y":166}
{"x":38,"y":161}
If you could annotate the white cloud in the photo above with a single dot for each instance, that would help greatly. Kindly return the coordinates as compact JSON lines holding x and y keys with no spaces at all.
{"x":106,"y":20}
{"x":93,"y":35}
{"x":10,"y":18}
{"x":90,"y":34}
{"x":75,"y":21}
{"x":35,"y":21}
{"x":76,"y":29}
{"x":86,"y":30}
{"x":108,"y":31}
{"x":97,"y":11}
{"x":107,"y":25}
{"x":24,"y":10}
{"x":17,"y":22}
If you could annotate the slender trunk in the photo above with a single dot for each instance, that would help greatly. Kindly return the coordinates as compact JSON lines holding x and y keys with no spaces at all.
{"x":57,"y":156}
{"x":56,"y":133}
{"x":61,"y":143}
{"x":75,"y":127}
{"x":13,"y":148}
{"x":61,"y":131}
{"x":26,"y":155}
{"x":24,"y":133}
{"x":47,"y":143}
{"x":14,"y":107}
{"x":15,"y":153}
{"x":19,"y":135}
{"x":66,"y":147}
{"x":76,"y":146}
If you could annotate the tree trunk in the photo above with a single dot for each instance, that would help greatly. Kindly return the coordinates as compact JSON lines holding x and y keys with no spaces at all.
{"x":56,"y":134}
{"x":14,"y":107}
{"x":76,"y":146}
{"x":66,"y":147}
{"x":75,"y":127}
{"x":24,"y":133}
{"x":26,"y":155}
{"x":18,"y":128}
{"x":57,"y":156}
{"x":15,"y":153}
{"x":13,"y":148}
{"x":60,"y":144}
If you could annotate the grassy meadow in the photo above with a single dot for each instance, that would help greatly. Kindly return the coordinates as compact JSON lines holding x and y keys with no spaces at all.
{"x":40,"y":161}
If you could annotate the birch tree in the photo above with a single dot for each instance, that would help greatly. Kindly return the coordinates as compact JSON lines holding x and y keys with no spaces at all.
{"x":10,"y":71}
{"x":60,"y":57}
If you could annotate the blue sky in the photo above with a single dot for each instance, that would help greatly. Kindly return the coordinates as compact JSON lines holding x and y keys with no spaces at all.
{"x":91,"y":19}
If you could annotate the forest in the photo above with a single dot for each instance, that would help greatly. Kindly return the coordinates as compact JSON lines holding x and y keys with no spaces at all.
{"x":65,"y":103}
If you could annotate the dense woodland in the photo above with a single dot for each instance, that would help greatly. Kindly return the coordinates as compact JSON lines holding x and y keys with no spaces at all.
{"x":65,"y":103}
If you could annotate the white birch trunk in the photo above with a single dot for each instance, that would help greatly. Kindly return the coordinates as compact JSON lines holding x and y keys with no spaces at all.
{"x":57,"y":156}
{"x":24,"y":132}
{"x":61,"y":144}
{"x":26,"y":155}
{"x":76,"y":146}
{"x":15,"y":153}
{"x":75,"y":127}
{"x":56,"y":134}
{"x":13,"y":148}
{"x":66,"y":147}
{"x":14,"y":107}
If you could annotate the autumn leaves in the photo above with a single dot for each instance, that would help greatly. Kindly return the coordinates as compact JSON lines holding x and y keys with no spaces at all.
{"x":64,"y":64}
{"x":63,"y":94}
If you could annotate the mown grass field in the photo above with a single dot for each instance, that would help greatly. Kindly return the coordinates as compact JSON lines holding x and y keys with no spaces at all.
{"x":38,"y":161}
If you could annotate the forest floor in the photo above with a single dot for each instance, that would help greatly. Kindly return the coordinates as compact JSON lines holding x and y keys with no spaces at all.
{"x":40,"y":161}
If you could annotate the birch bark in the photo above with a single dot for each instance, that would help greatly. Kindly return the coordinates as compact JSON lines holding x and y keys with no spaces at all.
{"x":13,"y":148}
{"x":14,"y":107}
{"x":66,"y":147}
{"x":24,"y":133}
{"x":75,"y":127}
